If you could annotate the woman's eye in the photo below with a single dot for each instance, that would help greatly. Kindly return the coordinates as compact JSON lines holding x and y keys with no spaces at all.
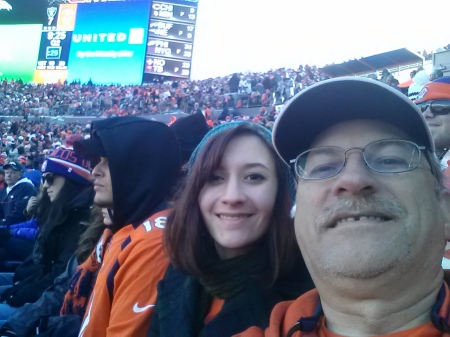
{"x":255,"y":177}
{"x":215,"y":178}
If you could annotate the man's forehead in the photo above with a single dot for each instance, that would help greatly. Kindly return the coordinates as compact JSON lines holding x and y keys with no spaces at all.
{"x":340,"y":132}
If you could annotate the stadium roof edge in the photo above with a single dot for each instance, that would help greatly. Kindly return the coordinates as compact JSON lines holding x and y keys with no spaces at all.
{"x":370,"y":64}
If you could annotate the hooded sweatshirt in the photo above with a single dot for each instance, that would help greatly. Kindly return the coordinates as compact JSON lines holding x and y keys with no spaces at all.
{"x":144,"y":164}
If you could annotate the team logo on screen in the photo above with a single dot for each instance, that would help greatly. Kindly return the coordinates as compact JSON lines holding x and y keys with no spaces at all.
{"x":5,"y":5}
{"x":51,"y":12}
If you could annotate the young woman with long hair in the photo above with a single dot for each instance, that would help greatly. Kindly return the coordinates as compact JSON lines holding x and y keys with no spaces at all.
{"x":63,"y":211}
{"x":230,"y":238}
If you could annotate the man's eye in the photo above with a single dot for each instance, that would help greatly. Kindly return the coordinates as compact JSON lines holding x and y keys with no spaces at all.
{"x":389,"y":162}
{"x":322,"y":170}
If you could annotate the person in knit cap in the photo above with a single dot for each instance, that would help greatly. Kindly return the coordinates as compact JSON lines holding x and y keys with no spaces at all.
{"x":62,"y":213}
{"x":434,"y":102}
{"x":229,"y":238}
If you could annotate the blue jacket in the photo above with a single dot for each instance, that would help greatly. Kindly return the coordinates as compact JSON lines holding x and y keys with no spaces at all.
{"x":14,"y":203}
{"x":27,"y":230}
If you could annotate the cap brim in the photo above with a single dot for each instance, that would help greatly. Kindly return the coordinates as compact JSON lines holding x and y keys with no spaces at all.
{"x":91,"y":148}
{"x":7,"y":166}
{"x":329,"y":102}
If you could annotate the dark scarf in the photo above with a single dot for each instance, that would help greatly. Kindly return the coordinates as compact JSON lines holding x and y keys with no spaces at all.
{"x":226,"y":278}
{"x":184,"y":301}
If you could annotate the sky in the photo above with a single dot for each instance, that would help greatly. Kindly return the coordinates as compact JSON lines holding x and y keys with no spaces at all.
{"x":258,"y":35}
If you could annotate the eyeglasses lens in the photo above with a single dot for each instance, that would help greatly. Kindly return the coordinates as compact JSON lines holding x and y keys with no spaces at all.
{"x":384,"y":156}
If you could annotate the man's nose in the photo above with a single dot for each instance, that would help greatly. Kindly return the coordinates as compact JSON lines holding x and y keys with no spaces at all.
{"x":356,"y":178}
{"x":427,"y":113}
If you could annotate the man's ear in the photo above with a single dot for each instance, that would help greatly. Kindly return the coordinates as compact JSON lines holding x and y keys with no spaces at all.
{"x":445,"y":206}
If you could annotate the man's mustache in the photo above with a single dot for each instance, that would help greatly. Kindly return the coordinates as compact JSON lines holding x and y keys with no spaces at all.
{"x":368,"y":205}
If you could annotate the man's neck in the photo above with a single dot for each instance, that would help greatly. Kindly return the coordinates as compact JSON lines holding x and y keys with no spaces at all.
{"x":355,"y":313}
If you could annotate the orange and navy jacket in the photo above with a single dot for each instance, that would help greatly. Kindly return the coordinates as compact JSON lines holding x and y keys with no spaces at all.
{"x":124,"y":295}
{"x":304,"y":318}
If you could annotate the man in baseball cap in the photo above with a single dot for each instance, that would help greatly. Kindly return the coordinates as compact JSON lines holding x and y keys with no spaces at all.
{"x":14,"y":197}
{"x":371,"y":213}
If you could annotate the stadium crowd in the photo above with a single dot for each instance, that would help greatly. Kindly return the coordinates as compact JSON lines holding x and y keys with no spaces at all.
{"x":234,"y":91}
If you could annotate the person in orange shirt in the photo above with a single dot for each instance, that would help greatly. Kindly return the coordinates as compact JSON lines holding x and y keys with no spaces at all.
{"x":230,"y":238}
{"x":136,"y":192}
{"x":372,"y":214}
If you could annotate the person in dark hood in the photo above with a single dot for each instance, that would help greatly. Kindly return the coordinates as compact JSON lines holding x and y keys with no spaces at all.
{"x":136,"y":163}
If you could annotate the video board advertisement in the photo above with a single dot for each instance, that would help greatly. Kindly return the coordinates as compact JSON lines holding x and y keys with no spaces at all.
{"x":18,"y":60}
{"x":14,"y":12}
{"x":109,"y":42}
{"x":171,"y":38}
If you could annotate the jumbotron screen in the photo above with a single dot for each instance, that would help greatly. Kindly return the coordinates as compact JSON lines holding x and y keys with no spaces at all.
{"x":105,"y":41}
{"x":99,"y":41}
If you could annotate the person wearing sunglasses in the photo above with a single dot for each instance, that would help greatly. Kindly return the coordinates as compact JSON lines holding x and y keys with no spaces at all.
{"x":372,"y":214}
{"x":62,"y":212}
{"x":434,"y":102}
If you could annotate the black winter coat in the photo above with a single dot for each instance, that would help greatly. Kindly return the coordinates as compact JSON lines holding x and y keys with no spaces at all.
{"x":52,"y":251}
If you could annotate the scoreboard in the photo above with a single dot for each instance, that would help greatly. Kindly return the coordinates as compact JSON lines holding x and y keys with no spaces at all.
{"x":108,"y":41}
{"x":171,"y":38}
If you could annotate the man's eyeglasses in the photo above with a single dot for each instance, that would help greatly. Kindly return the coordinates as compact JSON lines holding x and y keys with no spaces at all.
{"x":438,"y":107}
{"x":49,"y":178}
{"x":382,"y":156}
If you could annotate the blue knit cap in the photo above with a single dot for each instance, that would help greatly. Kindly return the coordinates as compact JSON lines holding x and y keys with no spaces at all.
{"x":262,"y":130}
{"x":65,"y":162}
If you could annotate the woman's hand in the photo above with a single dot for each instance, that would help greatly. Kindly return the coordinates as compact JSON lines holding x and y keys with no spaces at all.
{"x":31,"y":204}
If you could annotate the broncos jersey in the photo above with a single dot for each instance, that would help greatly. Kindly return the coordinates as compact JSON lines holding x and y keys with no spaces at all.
{"x":124,"y":295}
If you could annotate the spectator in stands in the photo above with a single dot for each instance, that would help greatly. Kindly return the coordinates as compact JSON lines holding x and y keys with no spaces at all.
{"x":393,"y":82}
{"x":196,"y":109}
{"x":372,"y":214}
{"x":125,"y":289}
{"x":384,"y":75}
{"x":14,"y":197}
{"x":62,"y":213}
{"x":229,"y":238}
{"x":13,"y":152}
{"x":233,"y":83}
{"x":32,"y":171}
{"x":419,"y":80}
{"x":436,"y":74}
{"x":434,"y":102}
